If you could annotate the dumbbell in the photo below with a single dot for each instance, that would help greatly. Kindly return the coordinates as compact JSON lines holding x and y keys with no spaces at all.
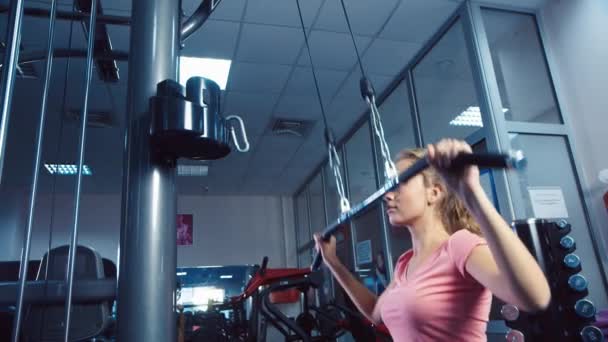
{"x":509,"y":312}
{"x":515,"y":336}
{"x":563,"y":225}
{"x":584,"y":308}
{"x":578,"y":282}
{"x":567,"y":242}
{"x":592,"y":333}
{"x":572,"y":261}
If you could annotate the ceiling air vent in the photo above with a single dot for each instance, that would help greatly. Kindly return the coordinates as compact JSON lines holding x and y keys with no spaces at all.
{"x":294,"y":127}
{"x":94,"y":119}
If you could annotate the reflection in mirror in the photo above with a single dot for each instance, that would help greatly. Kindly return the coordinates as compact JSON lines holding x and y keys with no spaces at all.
{"x":371,"y":263}
{"x":302,"y":224}
{"x":360,"y":165}
{"x":368,"y":226}
{"x":317,"y":206}
{"x":447,"y":100}
{"x":397,"y":119}
{"x":332,"y":199}
{"x":400,"y":134}
{"x":520,"y":67}
{"x":303,"y":221}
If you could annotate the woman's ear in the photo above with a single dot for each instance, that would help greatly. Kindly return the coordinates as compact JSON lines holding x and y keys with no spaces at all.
{"x":434,"y":193}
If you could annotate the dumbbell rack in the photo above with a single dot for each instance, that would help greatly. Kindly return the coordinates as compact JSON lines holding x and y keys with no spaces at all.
{"x":570,"y":315}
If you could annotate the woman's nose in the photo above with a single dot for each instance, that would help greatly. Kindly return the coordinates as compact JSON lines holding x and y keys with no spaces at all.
{"x":389,"y":196}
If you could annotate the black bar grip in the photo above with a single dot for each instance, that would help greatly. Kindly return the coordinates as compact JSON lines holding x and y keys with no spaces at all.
{"x":367,"y":89}
{"x":489,"y":160}
{"x":329,"y":136}
{"x":485,"y":160}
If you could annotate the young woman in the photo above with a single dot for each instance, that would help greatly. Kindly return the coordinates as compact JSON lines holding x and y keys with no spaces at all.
{"x":462,"y":252}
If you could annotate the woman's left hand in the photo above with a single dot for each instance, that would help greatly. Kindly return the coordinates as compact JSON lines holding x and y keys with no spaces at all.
{"x":441,"y":154}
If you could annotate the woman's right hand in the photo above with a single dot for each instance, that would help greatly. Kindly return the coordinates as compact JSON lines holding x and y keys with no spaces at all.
{"x":326,"y":248}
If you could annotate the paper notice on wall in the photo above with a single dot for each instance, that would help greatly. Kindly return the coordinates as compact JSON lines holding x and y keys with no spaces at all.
{"x":364,"y":252}
{"x":548,"y":202}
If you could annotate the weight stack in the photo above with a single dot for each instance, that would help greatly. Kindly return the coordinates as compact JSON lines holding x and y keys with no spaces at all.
{"x":570,"y":316}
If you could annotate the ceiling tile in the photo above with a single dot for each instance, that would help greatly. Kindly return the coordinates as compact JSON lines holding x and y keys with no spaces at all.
{"x":389,"y":57}
{"x":216,"y":39}
{"x":311,"y":151}
{"x":301,"y":82}
{"x":417,"y":20}
{"x":255,"y":109}
{"x":225,"y":10}
{"x":257,"y":78}
{"x":366,"y":17}
{"x":273,"y":152}
{"x":281,"y":12}
{"x":228,"y":10}
{"x":448,"y":59}
{"x":258,"y":44}
{"x":343,"y":115}
{"x":350,"y":88}
{"x":292,"y":178}
{"x":333,"y":50}
{"x":301,"y":107}
{"x":529,"y":4}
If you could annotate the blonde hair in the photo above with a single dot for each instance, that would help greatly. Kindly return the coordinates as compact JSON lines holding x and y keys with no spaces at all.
{"x":454,"y":215}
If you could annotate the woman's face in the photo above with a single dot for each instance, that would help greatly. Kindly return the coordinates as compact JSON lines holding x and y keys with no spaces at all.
{"x":406,"y":204}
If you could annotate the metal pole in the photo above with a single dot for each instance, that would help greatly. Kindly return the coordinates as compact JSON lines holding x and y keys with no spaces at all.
{"x":83,"y":130}
{"x":13,"y":40}
{"x":25,"y":255}
{"x":148,"y":251}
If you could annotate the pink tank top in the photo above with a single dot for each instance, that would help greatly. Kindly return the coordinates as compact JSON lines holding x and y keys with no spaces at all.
{"x":439,"y":301}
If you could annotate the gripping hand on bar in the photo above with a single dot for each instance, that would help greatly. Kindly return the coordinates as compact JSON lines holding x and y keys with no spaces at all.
{"x":512,"y":160}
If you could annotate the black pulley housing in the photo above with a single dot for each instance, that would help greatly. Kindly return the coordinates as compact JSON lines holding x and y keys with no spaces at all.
{"x":188,"y":125}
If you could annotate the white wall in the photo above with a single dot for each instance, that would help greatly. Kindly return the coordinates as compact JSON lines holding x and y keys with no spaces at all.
{"x":576,"y":34}
{"x":238,"y":230}
{"x":227,"y":229}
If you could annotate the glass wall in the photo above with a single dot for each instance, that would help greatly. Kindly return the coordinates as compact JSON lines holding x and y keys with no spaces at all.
{"x":317,"y":206}
{"x":485,"y":68}
{"x":344,"y":236}
{"x":524,"y":88}
{"x":331,"y":192}
{"x":360,"y":165}
{"x":400,"y":134}
{"x":302,"y":226}
{"x":369,"y":244}
{"x":399,"y":129}
{"x":520,"y":67}
{"x":317,"y":214}
{"x":447,"y":100}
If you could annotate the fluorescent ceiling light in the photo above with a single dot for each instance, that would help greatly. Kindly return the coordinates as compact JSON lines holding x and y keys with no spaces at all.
{"x":211,"y":68}
{"x":228,"y":276}
{"x":182,"y":273}
{"x":67,"y":169}
{"x":192,"y":170}
{"x":470,"y":117}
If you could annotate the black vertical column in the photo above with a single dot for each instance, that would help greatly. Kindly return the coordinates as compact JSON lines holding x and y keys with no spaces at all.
{"x":148,"y":248}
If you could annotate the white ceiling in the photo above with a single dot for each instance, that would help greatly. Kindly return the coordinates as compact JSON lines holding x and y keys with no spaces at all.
{"x":270,"y":77}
